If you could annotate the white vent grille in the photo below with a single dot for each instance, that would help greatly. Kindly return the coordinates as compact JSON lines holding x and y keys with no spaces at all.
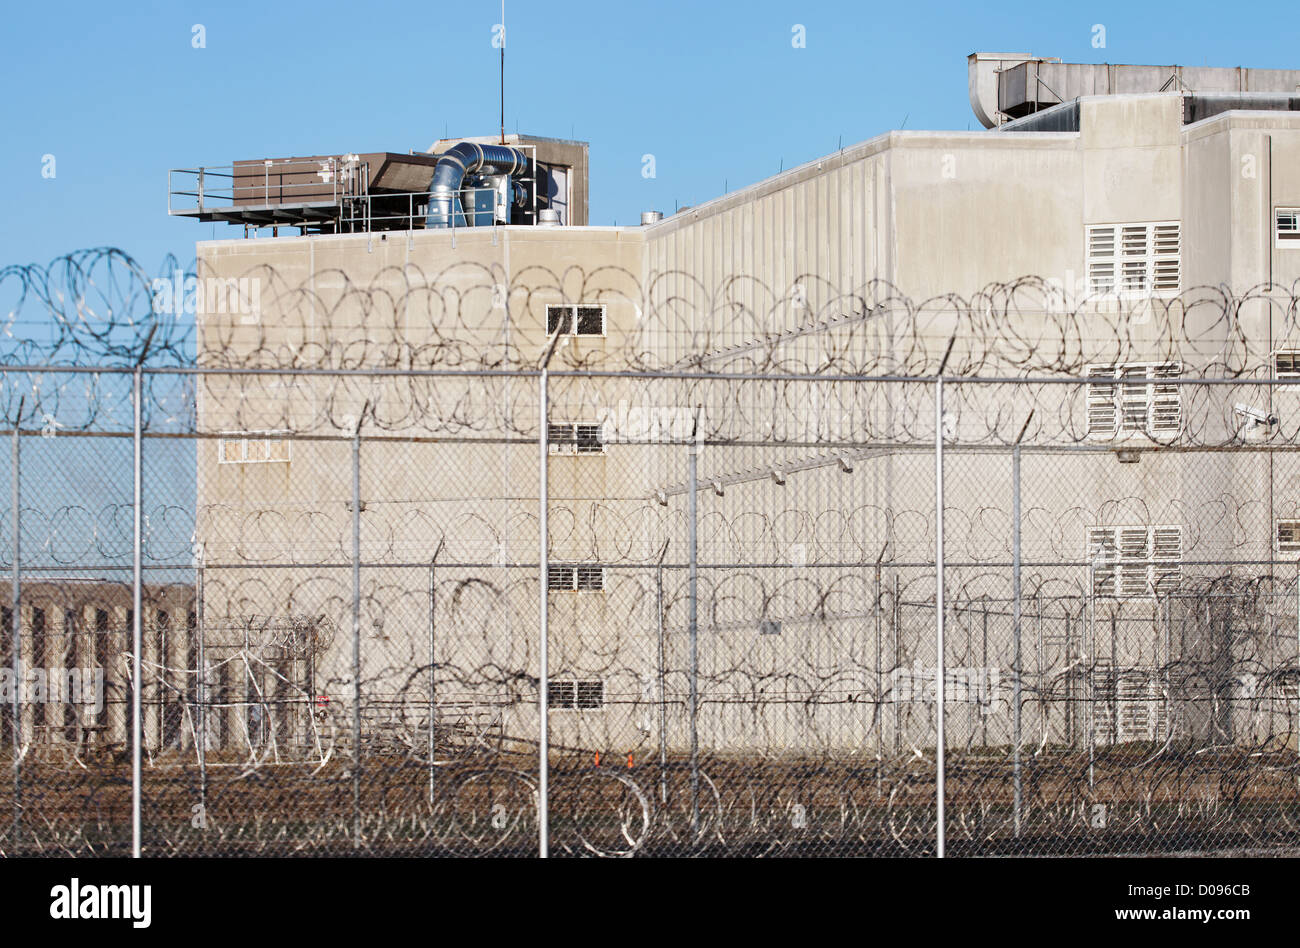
{"x":587,"y":438}
{"x":1134,"y":399}
{"x":1129,"y":706}
{"x":1166,"y":558}
{"x":1288,"y":537}
{"x":580,"y":320}
{"x":581,"y":694}
{"x":1287,"y":227}
{"x":1135,"y":259}
{"x":580,"y":577}
{"x":1133,"y":562}
{"x":579,"y":438}
{"x":589,"y":695}
{"x":1101,"y":555}
{"x":1101,"y":259}
{"x":1101,"y":401}
{"x":252,"y":448}
{"x":1286,"y":364}
{"x":561,"y":694}
{"x":560,"y":578}
{"x":589,"y":578}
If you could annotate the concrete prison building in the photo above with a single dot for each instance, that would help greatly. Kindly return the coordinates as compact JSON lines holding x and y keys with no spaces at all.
{"x":1135,"y":227}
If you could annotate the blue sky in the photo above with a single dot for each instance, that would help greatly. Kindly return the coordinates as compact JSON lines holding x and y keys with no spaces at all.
{"x":118,"y":94}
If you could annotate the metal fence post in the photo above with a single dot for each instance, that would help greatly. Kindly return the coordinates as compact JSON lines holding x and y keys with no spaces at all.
{"x":896,"y":621}
{"x":433,"y":684}
{"x":137,"y":592}
{"x":137,"y":606}
{"x":433,"y":694}
{"x":1015,"y":606}
{"x":693,"y":618}
{"x":940,"y":670}
{"x":880,"y":689}
{"x":663,"y":692}
{"x":544,"y":598}
{"x":1089,"y":637}
{"x":543,"y":559}
{"x":356,"y":631}
{"x":16,"y":625}
{"x":200,"y":686}
{"x":1016,"y":714}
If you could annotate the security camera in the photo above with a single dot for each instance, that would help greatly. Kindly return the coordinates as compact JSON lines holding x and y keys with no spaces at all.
{"x":1254,"y":414}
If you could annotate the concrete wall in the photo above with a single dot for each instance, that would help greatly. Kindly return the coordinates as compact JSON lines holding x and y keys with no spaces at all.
{"x":927,"y":213}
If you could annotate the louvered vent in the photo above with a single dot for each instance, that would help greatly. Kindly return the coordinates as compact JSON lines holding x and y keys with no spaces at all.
{"x":1134,"y":399}
{"x":1135,"y":259}
{"x":1134,"y":562}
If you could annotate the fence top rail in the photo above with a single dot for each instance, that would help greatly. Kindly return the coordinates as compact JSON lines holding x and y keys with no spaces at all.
{"x":649,"y":375}
{"x":839,"y":449}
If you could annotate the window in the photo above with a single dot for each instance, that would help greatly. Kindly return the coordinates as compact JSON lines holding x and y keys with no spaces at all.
{"x":575,"y":320}
{"x":39,"y":639}
{"x":1129,"y":399}
{"x":1130,"y":705}
{"x":578,"y":438}
{"x":590,"y":695}
{"x":1288,"y":537}
{"x":567,"y":578}
{"x":576,"y":695}
{"x":1287,"y":227}
{"x":101,"y":650}
{"x":588,"y":438}
{"x":1286,"y":364}
{"x":70,"y":640}
{"x":1131,"y":562}
{"x":252,"y":448}
{"x":560,"y":694}
{"x":1134,"y":259}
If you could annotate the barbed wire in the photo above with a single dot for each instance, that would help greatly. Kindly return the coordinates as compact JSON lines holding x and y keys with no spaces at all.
{"x":1185,"y":786}
{"x":1158,"y":721}
{"x":98,"y":307}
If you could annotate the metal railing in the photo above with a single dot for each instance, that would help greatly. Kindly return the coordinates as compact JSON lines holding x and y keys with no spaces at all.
{"x":264,"y":183}
{"x":336,"y":190}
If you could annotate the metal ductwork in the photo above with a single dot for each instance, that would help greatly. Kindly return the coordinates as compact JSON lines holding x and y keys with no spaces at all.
{"x":1006,"y":86}
{"x":1199,"y":106}
{"x":463,"y":159}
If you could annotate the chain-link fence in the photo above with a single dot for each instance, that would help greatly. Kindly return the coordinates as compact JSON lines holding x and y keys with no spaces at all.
{"x":760,"y":606}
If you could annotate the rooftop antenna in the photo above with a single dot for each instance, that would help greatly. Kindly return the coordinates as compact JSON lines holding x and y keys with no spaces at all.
{"x":503,"y":72}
